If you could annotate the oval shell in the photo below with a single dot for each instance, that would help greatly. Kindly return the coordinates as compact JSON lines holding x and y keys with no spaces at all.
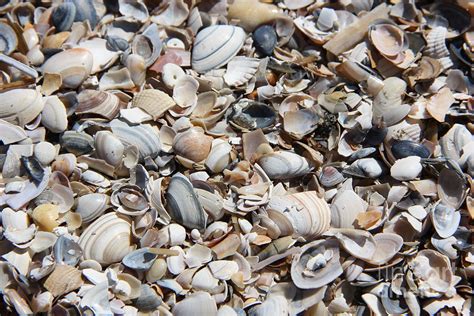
{"x":74,"y":65}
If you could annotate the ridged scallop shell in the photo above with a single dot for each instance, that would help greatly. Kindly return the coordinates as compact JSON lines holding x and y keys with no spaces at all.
{"x":183,"y":203}
{"x":108,"y":239}
{"x":284,"y":165}
{"x":74,"y":65}
{"x":143,"y":136}
{"x":192,"y":144}
{"x":436,"y":43}
{"x":20,"y":106}
{"x":102,"y":103}
{"x":8,"y":39}
{"x":316,"y":265}
{"x":91,"y":206}
{"x":154,"y":102}
{"x":215,"y":46}
{"x":240,"y":70}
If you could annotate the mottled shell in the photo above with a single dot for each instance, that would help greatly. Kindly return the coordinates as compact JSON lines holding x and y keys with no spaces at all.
{"x":215,"y":46}
{"x":74,"y":65}
{"x":108,"y":239}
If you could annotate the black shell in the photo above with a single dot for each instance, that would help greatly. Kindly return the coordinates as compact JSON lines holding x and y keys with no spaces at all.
{"x":250,"y":115}
{"x":33,"y":168}
{"x":265,"y":39}
{"x":63,"y":16}
{"x":406,"y":148}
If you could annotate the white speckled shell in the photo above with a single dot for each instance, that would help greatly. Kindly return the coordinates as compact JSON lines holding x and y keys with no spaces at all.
{"x":215,"y":46}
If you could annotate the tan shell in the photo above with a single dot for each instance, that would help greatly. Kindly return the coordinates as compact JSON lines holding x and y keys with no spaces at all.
{"x":102,"y":103}
{"x":154,"y":102}
{"x":20,"y":106}
{"x":387,"y":38}
{"x":63,"y":279}
{"x":74,"y":65}
{"x":45,"y":216}
{"x":108,"y":239}
{"x":192,"y":144}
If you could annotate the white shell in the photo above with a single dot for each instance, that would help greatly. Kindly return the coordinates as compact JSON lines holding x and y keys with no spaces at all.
{"x":445,"y":220}
{"x":20,"y":106}
{"x":198,"y":303}
{"x":109,"y":147}
{"x":219,"y":156}
{"x":45,"y":152}
{"x":240,"y":70}
{"x":54,"y":116}
{"x":171,"y":74}
{"x":91,"y":206}
{"x":407,"y":168}
{"x":284,"y":165}
{"x":215,"y":46}
{"x":388,"y":105}
{"x":345,"y":208}
{"x":74,"y":65}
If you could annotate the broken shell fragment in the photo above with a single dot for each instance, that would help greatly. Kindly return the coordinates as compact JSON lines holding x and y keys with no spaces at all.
{"x":74,"y":65}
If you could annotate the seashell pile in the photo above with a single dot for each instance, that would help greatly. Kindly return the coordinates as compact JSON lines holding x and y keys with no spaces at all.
{"x":236,"y":157}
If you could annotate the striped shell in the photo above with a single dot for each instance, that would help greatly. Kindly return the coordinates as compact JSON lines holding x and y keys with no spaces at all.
{"x":102,"y":103}
{"x":215,"y":46}
{"x":154,"y":102}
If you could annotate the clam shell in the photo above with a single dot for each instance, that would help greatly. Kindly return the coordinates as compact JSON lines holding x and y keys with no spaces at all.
{"x":63,"y":279}
{"x":91,"y":206}
{"x":211,"y":52}
{"x":300,"y":123}
{"x":387,"y":106}
{"x":252,"y":14}
{"x":136,"y":66}
{"x":175,"y":14}
{"x":10,"y":133}
{"x":330,"y":176}
{"x":116,"y":79}
{"x":104,"y":57}
{"x":387,"y":38}
{"x":78,"y":143}
{"x":109,"y":147}
{"x":345,"y":207}
{"x":220,"y":156}
{"x":85,"y":11}
{"x":308,"y":275}
{"x":199,"y":303}
{"x":387,"y":246}
{"x":358,"y":243}
{"x":102,"y":103}
{"x":45,"y":152}
{"x":406,"y":169}
{"x":148,"y":44}
{"x":445,"y":220}
{"x":143,"y":136}
{"x":192,"y":144}
{"x":183,"y":204}
{"x":284,"y":165}
{"x":20,"y":106}
{"x":171,"y":74}
{"x":74,"y":65}
{"x":133,"y":8}
{"x":154,"y":102}
{"x":8,"y":39}
{"x":108,"y":239}
{"x":405,"y":148}
{"x":454,"y":140}
{"x":66,"y":251}
{"x":63,"y":16}
{"x":54,"y":116}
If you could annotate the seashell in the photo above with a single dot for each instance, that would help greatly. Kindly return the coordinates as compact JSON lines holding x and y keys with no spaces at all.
{"x":63,"y":279}
{"x":219,"y":157}
{"x":358,"y":243}
{"x":171,"y":74}
{"x":330,"y":176}
{"x":63,"y":16}
{"x":10,"y":133}
{"x":109,"y":147}
{"x":66,"y":251}
{"x":365,"y":168}
{"x":204,"y":281}
{"x":223,"y":269}
{"x":51,"y":83}
{"x":136,"y":66}
{"x":316,"y":265}
{"x":439,"y":104}
{"x":45,"y":216}
{"x":406,"y":169}
{"x":345,"y":207}
{"x":265,"y":39}
{"x":157,"y":270}
{"x":192,"y":144}
{"x":102,"y":103}
{"x":210,"y":52}
{"x":154,"y":102}
{"x":300,"y":123}
{"x":387,"y":38}
{"x":183,"y":204}
{"x":240,"y":70}
{"x":74,"y":65}
{"x":54,"y":116}
{"x":77,"y":143}
{"x":454,"y":140}
{"x":435,"y":43}
{"x":96,"y":300}
{"x":85,"y":11}
{"x":199,"y":303}
{"x":133,"y":8}
{"x":251,"y":14}
{"x":327,"y":19}
{"x":284,"y":165}
{"x":309,"y":215}
{"x":387,"y":106}
{"x":148,"y":301}
{"x":33,"y":168}
{"x":451,"y":188}
{"x":91,"y":206}
{"x":140,"y":259}
{"x":95,"y":178}
{"x":45,"y":152}
{"x":174,"y":14}
{"x":116,"y":79}
{"x":8,"y":39}
{"x":65,"y":163}
{"x":405,"y":148}
{"x":103,"y":56}
{"x":143,"y":136}
{"x":249,"y":115}
{"x":387,"y":246}
{"x":148,"y":44}
{"x":20,"y":106}
{"x":108,"y":239}
{"x":184,"y":92}
{"x":445,"y":220}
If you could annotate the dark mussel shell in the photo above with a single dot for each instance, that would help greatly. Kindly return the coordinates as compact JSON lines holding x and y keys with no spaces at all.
{"x":249,"y":115}
{"x":406,"y":148}
{"x":33,"y":168}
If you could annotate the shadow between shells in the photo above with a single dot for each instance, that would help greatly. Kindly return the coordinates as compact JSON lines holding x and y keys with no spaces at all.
{"x":184,"y":157}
